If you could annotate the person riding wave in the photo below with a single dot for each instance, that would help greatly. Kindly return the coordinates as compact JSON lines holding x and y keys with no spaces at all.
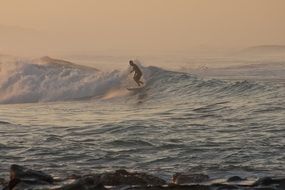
{"x":138,"y":72}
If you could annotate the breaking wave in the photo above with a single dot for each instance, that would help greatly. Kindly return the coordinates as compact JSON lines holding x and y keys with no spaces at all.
{"x":48,"y":79}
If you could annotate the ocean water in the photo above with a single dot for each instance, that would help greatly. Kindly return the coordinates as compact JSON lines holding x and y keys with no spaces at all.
{"x":65,"y":119}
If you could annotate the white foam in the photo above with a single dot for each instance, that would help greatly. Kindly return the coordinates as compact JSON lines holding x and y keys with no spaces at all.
{"x":24,"y":80}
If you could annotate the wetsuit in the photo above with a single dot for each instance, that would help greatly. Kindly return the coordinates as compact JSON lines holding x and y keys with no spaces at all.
{"x":138,"y":74}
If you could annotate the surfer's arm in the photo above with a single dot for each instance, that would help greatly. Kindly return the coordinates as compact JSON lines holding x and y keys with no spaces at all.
{"x":132,"y":70}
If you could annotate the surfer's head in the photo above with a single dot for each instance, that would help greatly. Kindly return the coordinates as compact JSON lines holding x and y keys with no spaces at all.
{"x":131,"y":62}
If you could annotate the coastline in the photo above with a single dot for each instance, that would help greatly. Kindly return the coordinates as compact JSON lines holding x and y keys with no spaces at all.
{"x":23,"y":178}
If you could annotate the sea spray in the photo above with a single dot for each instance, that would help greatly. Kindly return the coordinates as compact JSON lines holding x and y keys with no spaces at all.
{"x":47,"y":79}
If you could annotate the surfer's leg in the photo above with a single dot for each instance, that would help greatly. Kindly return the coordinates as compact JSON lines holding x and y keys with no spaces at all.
{"x":136,"y":78}
{"x":138,"y":82}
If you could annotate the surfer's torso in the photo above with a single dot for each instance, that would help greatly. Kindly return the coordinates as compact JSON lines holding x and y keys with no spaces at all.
{"x":136,"y":69}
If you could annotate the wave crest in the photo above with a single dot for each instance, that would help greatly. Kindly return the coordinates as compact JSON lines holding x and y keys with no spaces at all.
{"x":48,"y":79}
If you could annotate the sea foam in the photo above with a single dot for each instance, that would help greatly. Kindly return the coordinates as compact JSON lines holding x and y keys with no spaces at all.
{"x":46,"y":79}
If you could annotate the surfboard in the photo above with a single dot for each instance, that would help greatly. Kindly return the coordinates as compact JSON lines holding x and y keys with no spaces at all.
{"x":134,"y":88}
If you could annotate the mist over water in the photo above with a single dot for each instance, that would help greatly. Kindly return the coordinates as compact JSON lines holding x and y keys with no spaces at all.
{"x":76,"y":119}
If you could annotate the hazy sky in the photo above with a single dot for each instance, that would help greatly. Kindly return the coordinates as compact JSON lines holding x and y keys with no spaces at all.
{"x":29,"y":26}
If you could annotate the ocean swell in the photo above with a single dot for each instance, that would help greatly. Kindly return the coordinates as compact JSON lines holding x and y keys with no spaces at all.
{"x":48,"y":79}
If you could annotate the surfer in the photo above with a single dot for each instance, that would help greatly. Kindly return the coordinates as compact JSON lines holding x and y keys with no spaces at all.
{"x":138,"y":72}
